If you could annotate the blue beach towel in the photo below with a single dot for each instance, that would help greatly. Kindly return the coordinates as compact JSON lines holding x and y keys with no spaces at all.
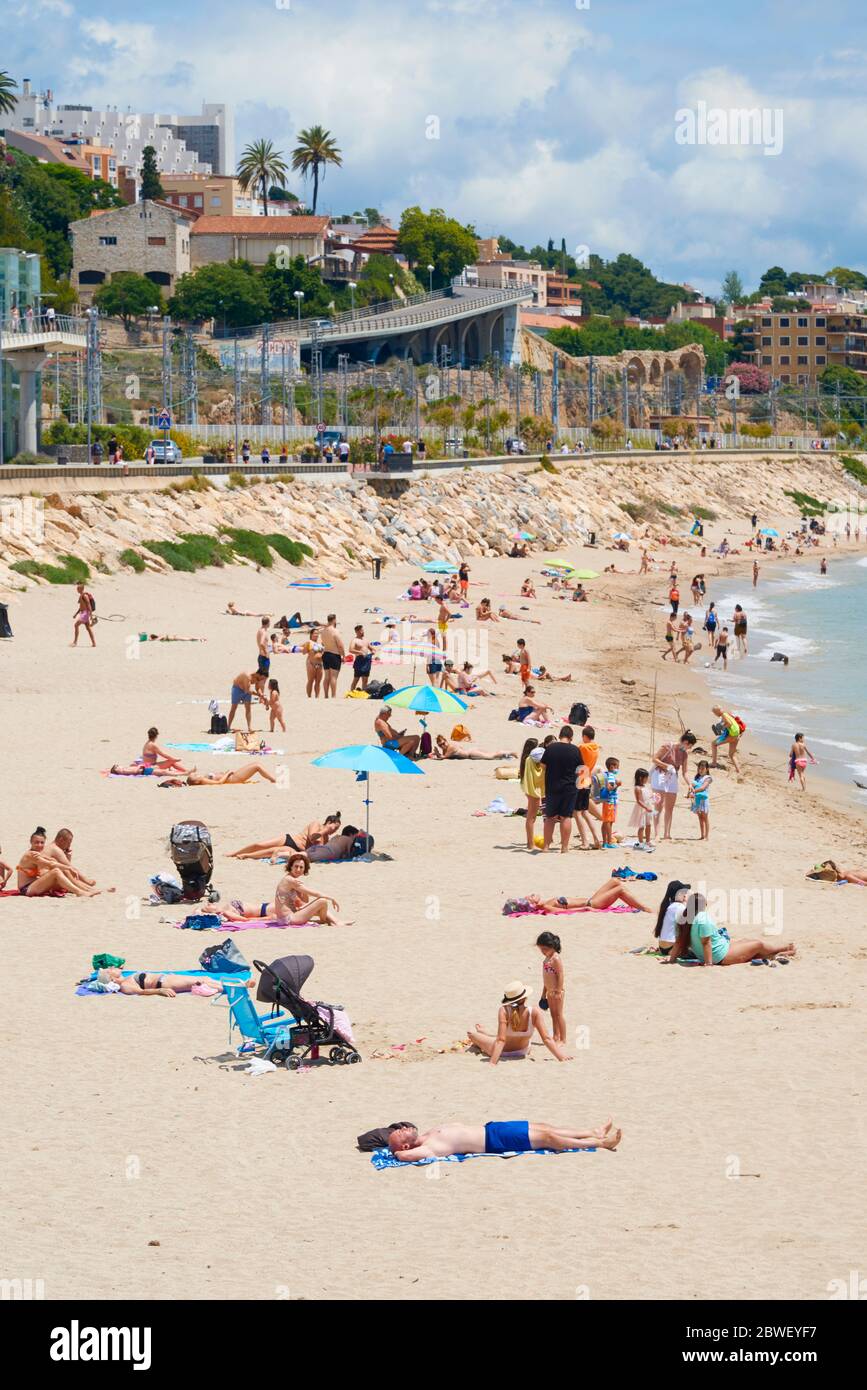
{"x":384,"y":1158}
{"x":83,"y":988}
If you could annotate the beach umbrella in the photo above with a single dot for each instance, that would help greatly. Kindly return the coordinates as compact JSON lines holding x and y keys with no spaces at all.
{"x":365,"y":758}
{"x":621,"y":536}
{"x":312,"y":584}
{"x":523,"y":536}
{"x":439,"y":567}
{"x":768,"y":531}
{"x":426,"y":699}
{"x":585,"y":574}
{"x":408,"y":653}
{"x":558,"y":565}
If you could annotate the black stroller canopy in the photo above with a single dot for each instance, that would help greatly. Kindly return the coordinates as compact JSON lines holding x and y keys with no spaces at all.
{"x":292,"y":970}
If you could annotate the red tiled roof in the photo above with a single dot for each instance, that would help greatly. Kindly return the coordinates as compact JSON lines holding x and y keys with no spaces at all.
{"x":377,"y":239}
{"x":257,"y":226}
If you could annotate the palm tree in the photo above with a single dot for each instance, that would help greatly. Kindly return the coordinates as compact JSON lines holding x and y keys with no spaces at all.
{"x":261,"y":165}
{"x":315,"y":150}
{"x":7,"y":88}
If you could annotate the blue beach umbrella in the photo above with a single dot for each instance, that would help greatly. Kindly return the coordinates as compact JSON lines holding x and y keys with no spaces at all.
{"x":365,"y":758}
{"x":439,"y":567}
{"x":768,"y":531}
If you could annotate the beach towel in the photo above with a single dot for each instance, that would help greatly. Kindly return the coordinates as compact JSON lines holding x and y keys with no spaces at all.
{"x":252,"y":925}
{"x":384,"y":1158}
{"x":570,"y":911}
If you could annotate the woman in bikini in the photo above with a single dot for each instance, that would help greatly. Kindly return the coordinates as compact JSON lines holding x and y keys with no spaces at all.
{"x":448,"y":748}
{"x":313,"y":650}
{"x":294,"y":904}
{"x":39,"y":874}
{"x":799,"y":753}
{"x":611,"y":892}
{"x":313,"y":834}
{"x":167,"y":985}
{"x":516,"y":1024}
{"x":220,"y":779}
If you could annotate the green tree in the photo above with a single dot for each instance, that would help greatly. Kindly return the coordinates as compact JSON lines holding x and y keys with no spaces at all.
{"x":432,"y":238}
{"x":374,"y":218}
{"x":732,"y":288}
{"x":126,"y":295}
{"x":150,"y":186}
{"x":280,"y":283}
{"x":261,"y":165}
{"x":231,"y":293}
{"x":7,"y":88}
{"x":316,"y":149}
{"x":846,"y":279}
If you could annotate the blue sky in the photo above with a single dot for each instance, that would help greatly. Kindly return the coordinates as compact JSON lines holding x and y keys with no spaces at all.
{"x":551,"y":120}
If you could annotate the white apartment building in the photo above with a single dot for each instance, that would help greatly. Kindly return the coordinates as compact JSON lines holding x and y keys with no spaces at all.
{"x":202,"y":144}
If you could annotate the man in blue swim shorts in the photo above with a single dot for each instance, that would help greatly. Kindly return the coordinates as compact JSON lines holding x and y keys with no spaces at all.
{"x":242,"y":694}
{"x":497,"y":1137}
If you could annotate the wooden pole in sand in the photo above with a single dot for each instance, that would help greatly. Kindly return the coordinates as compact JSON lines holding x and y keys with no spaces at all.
{"x":653,"y":715}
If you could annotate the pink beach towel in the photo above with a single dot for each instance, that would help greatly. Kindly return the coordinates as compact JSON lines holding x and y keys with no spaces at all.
{"x":571,"y":911}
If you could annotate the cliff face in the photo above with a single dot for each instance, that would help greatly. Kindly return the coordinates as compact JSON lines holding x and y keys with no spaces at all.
{"x":443,"y":517}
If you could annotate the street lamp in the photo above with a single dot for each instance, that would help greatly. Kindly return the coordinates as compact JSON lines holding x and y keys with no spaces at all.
{"x":391,"y":278}
{"x":298,"y":295}
{"x":352,"y":288}
{"x":430,"y":271}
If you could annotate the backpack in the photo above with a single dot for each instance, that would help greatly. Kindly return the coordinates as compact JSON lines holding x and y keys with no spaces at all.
{"x":740,"y":723}
{"x":379,"y":690}
{"x":223,"y":959}
{"x":166,"y":889}
{"x":219,"y":724}
{"x":579,"y":714}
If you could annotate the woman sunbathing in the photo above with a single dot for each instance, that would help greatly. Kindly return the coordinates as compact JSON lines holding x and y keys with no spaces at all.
{"x":220,"y":779}
{"x":313,"y":834}
{"x":830,"y":873}
{"x":611,"y":892}
{"x":166,"y":985}
{"x":294,"y":904}
{"x":448,"y":748}
{"x":516,"y":1024}
{"x":518,"y":617}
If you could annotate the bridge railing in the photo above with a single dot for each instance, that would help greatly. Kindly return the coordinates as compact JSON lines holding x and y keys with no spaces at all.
{"x":392,"y":313}
{"x":15,"y":326}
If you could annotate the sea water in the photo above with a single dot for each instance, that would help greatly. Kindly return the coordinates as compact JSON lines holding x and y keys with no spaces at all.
{"x":820,"y":623}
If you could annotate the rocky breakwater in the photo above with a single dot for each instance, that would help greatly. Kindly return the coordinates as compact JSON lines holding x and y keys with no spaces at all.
{"x":438,"y":516}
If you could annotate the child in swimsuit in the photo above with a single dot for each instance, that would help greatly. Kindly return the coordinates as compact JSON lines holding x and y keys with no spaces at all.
{"x":553,"y":985}
{"x":275,"y":708}
{"x":698,"y":795}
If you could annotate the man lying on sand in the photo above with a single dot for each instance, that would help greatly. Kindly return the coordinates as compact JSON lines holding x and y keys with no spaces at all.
{"x":497,"y":1137}
{"x":294,"y":903}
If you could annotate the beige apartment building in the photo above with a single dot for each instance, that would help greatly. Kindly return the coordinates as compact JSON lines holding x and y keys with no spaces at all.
{"x":210,"y":195}
{"x":147,"y":237}
{"x":254,"y":239}
{"x":503,"y":274}
{"x":795,"y":347}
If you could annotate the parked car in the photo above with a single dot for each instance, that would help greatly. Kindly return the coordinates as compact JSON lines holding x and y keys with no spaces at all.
{"x":166,"y":451}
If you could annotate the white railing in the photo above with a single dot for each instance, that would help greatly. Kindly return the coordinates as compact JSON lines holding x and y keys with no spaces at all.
{"x":19,"y":326}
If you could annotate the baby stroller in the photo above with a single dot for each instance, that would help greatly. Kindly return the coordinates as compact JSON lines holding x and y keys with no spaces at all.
{"x":280,"y":985}
{"x":193,"y":856}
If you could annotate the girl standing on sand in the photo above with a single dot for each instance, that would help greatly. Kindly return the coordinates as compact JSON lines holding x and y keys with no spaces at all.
{"x":798,"y":755}
{"x":275,"y":707}
{"x":698,"y":795}
{"x":641,"y":820}
{"x":553,"y":983}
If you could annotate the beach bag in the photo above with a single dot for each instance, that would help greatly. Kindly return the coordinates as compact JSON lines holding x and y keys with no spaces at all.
{"x":513,"y":906}
{"x":219,"y":724}
{"x":202,"y":921}
{"x":579,"y":713}
{"x":425,"y":747}
{"x":246,"y":742}
{"x":459,"y":733}
{"x":166,"y":889}
{"x":362,"y":844}
{"x":596,"y":787}
{"x":379,"y":690}
{"x":720,"y":727}
{"x":225,"y":959}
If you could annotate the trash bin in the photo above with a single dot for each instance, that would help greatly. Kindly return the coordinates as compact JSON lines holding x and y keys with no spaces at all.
{"x":5,"y":629}
{"x":465,"y":453}
{"x":376,"y":564}
{"x":62,"y":458}
{"x":592,"y":540}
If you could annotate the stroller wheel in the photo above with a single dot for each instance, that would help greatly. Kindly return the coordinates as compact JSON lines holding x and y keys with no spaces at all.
{"x":336,"y":1054}
{"x":352,"y":1057}
{"x":293,"y":1063}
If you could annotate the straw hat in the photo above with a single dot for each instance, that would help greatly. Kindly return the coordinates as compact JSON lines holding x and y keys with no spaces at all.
{"x":514,"y":993}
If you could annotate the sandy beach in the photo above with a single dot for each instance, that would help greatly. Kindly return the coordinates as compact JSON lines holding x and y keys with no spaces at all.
{"x":140,"y":1160}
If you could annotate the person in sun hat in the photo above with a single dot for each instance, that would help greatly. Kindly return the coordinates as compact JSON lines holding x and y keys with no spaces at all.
{"x":517,"y":1021}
